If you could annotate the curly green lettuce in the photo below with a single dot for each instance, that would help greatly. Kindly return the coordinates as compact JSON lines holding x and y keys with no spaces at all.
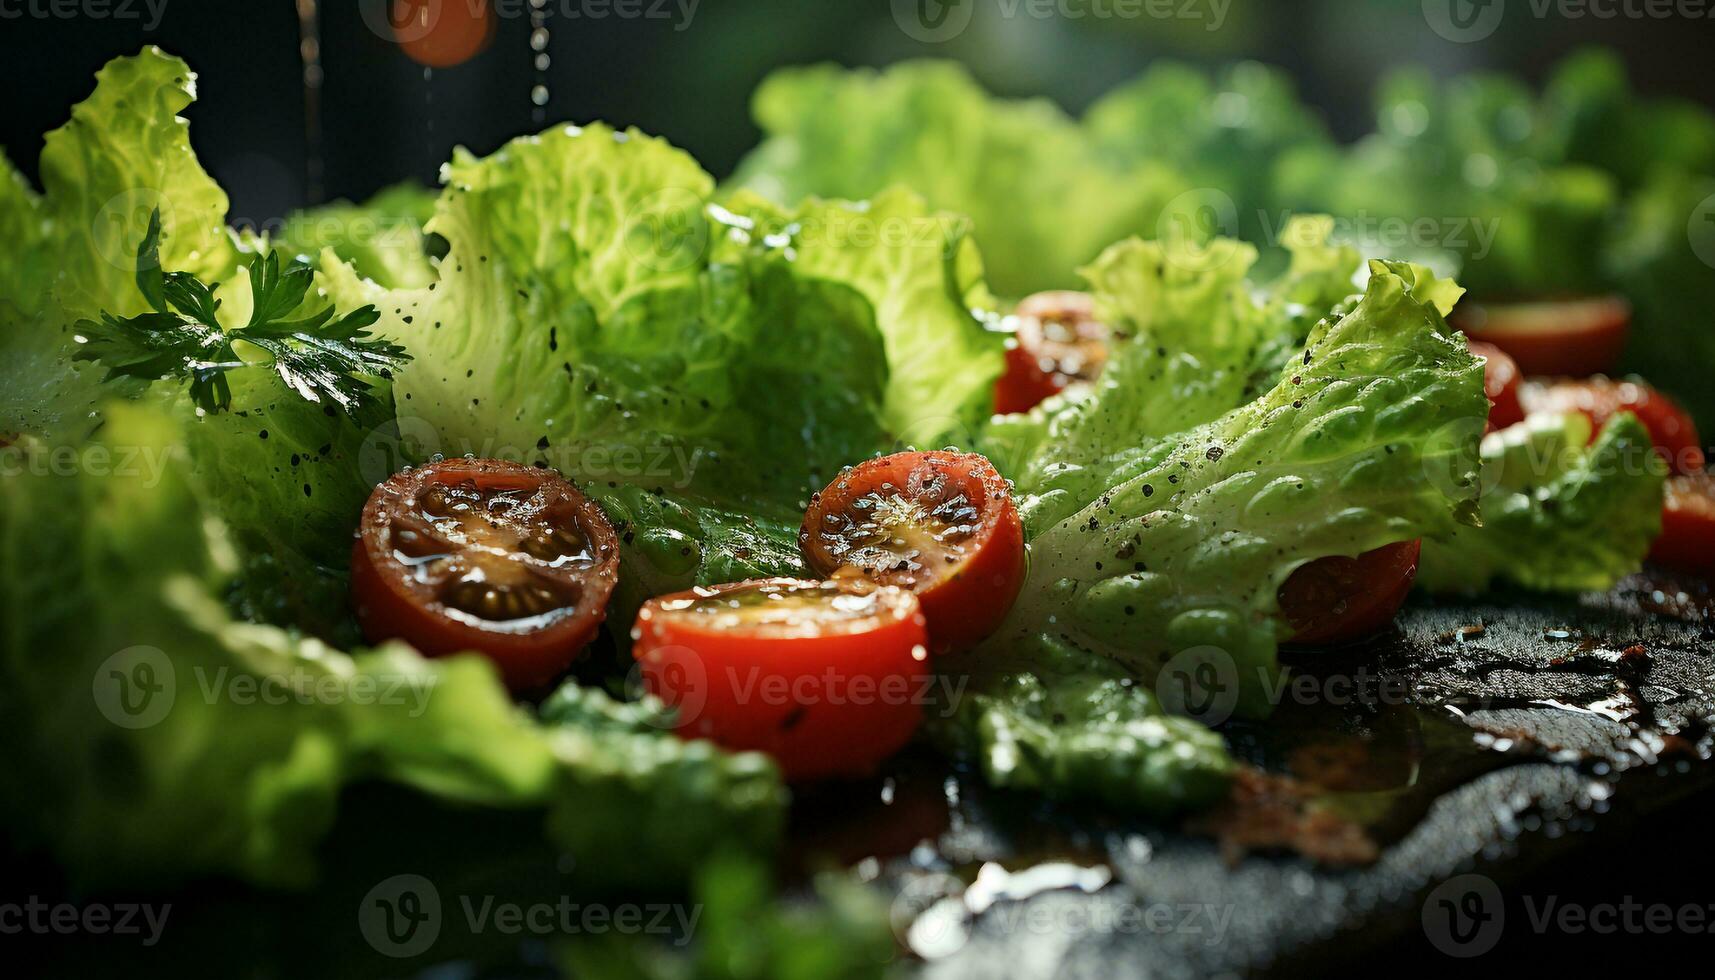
{"x":1559,"y":512}
{"x":1363,"y":439}
{"x":1043,"y":197}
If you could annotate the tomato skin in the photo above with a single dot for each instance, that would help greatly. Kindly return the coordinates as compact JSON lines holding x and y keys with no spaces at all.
{"x":1687,"y":539}
{"x":1583,"y":335}
{"x":388,"y":607}
{"x":1024,"y":385}
{"x":823,"y":704}
{"x":441,"y":33}
{"x":1500,"y":384}
{"x":1671,"y":428}
{"x":1057,"y":342}
{"x":1337,"y":599}
{"x":968,"y":604}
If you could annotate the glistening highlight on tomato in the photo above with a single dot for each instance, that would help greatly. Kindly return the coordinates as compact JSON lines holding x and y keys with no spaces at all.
{"x":1687,"y":539}
{"x":1576,"y":336}
{"x":1337,"y":599}
{"x":823,"y":676}
{"x":486,"y":555}
{"x":939,"y":524}
{"x":1670,"y":427}
{"x":1058,"y":342}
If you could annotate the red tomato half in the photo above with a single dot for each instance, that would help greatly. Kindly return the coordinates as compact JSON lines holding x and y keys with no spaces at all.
{"x":1058,"y":342}
{"x":1670,"y":427}
{"x":1568,"y":336}
{"x":1500,"y":383}
{"x":486,"y":555}
{"x":1336,"y":599}
{"x":442,"y":33}
{"x":823,"y":676}
{"x":1687,"y":538}
{"x":939,"y":524}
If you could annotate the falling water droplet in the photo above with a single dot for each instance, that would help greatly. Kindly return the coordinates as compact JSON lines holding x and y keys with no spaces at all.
{"x":310,"y":54}
{"x":540,"y":60}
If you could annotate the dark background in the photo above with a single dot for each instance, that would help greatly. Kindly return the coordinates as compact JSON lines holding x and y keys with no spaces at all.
{"x":381,"y":121}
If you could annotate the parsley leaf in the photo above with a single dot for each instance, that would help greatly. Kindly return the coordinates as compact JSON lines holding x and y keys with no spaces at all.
{"x":321,"y":357}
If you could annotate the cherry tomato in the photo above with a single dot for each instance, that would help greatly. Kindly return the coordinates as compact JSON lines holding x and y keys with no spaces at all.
{"x":939,"y":524}
{"x":1337,"y":599}
{"x":1687,"y":540}
{"x":1500,"y":383}
{"x":1670,"y":427}
{"x":1563,"y":336}
{"x":441,"y":33}
{"x":486,"y":555}
{"x":823,"y":676}
{"x":1058,"y":342}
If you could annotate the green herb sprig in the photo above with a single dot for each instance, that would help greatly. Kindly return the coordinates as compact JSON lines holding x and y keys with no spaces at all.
{"x":320,"y":357}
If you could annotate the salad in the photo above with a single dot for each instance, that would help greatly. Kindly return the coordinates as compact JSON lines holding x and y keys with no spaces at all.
{"x":870,"y":446}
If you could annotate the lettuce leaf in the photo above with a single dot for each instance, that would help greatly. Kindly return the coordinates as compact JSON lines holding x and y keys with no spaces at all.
{"x":1225,"y":131}
{"x":1364,"y":439}
{"x":1559,"y":512}
{"x":595,"y":300}
{"x":216,"y":746}
{"x":1043,"y":198}
{"x":382,"y":238}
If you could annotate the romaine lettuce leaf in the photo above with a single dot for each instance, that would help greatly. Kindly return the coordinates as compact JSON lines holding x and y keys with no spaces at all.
{"x":1043,"y":198}
{"x":595,"y":304}
{"x":1559,"y":512}
{"x":1366,"y":438}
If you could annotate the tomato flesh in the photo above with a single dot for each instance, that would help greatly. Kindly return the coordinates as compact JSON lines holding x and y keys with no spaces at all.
{"x":1500,"y":384}
{"x":1337,"y":599}
{"x":1670,"y":427}
{"x":485,"y":555}
{"x":939,"y":524}
{"x":1583,"y":335}
{"x":1057,"y":342}
{"x":1687,"y":539}
{"x":823,"y":676}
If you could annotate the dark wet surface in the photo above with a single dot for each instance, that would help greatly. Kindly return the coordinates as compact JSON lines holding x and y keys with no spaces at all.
{"x":1500,"y":736}
{"x":1516,"y":738}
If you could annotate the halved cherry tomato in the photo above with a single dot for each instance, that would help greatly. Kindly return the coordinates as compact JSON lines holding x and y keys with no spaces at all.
{"x":1336,"y":599}
{"x":487,"y":555}
{"x":1687,"y":540}
{"x":940,"y":524}
{"x":823,"y":676}
{"x":1500,"y":383}
{"x":1058,"y":342}
{"x":1583,"y":335}
{"x":1670,"y":427}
